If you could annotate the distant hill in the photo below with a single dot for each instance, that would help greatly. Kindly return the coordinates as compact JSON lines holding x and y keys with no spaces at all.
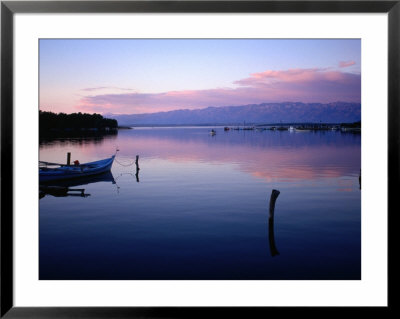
{"x":288,"y":112}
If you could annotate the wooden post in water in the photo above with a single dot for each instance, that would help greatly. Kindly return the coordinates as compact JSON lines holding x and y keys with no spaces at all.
{"x":69,"y":158}
{"x":274,"y":195}
{"x":137,"y":162}
{"x":271,"y":237}
{"x":137,"y":168}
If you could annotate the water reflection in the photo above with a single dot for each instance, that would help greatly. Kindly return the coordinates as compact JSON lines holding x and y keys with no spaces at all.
{"x":82,"y":135}
{"x":128,"y":163}
{"x":61,"y":191}
{"x":199,"y":210}
{"x":267,"y":155}
{"x":65,"y":188}
{"x":271,"y":237}
{"x":79,"y":140}
{"x":134,"y":176}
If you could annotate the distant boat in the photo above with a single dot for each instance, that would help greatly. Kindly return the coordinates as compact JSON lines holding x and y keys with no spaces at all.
{"x":226,"y":128}
{"x":61,"y":171}
{"x":292,"y":129}
{"x":213,"y":132}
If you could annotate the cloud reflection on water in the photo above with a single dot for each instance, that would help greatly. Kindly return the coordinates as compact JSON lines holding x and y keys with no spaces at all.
{"x":270,"y":156}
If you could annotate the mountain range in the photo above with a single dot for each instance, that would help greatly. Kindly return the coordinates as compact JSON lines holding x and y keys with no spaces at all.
{"x":265,"y":113}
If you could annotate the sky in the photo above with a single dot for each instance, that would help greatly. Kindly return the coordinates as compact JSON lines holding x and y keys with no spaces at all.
{"x":131,"y":76}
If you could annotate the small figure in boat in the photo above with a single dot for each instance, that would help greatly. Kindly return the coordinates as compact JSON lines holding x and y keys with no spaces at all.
{"x":213,"y":132}
{"x":76,"y":163}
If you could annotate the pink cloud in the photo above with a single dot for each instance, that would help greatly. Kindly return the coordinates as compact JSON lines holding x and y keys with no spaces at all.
{"x":101,"y":88}
{"x":305,"y":85}
{"x":345,"y":64}
{"x":298,"y":76}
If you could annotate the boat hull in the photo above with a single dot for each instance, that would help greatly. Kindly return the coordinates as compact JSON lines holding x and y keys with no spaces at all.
{"x":72,"y":172}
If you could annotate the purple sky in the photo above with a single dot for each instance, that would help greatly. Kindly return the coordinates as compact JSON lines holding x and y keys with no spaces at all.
{"x":145,"y":76}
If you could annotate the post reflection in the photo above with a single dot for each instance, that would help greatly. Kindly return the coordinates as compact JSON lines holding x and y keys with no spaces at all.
{"x":271,"y":237}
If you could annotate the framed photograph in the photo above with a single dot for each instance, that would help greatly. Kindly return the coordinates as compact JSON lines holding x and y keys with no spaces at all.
{"x":197,"y":158}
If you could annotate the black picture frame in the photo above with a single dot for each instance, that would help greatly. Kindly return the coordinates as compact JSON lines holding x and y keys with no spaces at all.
{"x":9,"y":8}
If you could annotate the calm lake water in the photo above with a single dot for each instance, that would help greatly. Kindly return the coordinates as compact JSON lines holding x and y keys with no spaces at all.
{"x":199,"y":207}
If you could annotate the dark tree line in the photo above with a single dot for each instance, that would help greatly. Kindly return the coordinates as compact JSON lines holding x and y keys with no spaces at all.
{"x":351,"y":125}
{"x":49,"y":121}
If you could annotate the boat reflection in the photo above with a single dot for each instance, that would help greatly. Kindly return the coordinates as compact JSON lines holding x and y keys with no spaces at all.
{"x":271,"y":237}
{"x":64,"y":188}
{"x":61,"y":191}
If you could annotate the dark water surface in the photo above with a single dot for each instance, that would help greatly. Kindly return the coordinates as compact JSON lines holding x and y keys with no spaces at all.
{"x":199,"y":208}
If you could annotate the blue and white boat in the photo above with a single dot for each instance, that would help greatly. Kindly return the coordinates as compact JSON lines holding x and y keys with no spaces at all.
{"x":51,"y":171}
